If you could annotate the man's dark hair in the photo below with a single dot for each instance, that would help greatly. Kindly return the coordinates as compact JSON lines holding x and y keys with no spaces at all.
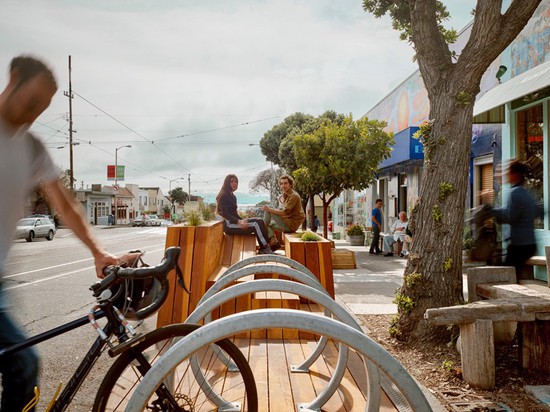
{"x":520,"y":169}
{"x":378,"y":200}
{"x":28,"y":67}
{"x":289,"y":178}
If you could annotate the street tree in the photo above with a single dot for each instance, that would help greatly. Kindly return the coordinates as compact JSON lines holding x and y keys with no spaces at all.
{"x":433,"y":276}
{"x":340,"y":155}
{"x":267,"y":182}
{"x":271,"y":140}
{"x":178,"y":195}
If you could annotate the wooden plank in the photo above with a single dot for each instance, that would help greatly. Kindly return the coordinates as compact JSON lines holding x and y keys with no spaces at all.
{"x":233,"y":384}
{"x":164,"y":316}
{"x":536,"y":261}
{"x":280,"y":390}
{"x":320,"y":376}
{"x":496,"y":310}
{"x":249,"y":246}
{"x":478,"y":354}
{"x":258,"y":363}
{"x":185,"y":262}
{"x":326,"y":267}
{"x":198,"y":278}
{"x":225,"y":257}
{"x":259,"y":301}
{"x":352,"y":397}
{"x":244,"y":346}
{"x":290,"y":301}
{"x":533,"y":343}
{"x":302,"y":385}
{"x":274,"y":301}
{"x":507,"y":290}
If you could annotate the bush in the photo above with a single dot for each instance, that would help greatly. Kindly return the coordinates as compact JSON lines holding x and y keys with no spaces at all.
{"x":354,"y":230}
{"x":193,"y":218}
{"x":310,"y":237}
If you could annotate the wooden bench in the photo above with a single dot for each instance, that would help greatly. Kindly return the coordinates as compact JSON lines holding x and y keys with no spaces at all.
{"x":206,"y":254}
{"x":504,"y":302}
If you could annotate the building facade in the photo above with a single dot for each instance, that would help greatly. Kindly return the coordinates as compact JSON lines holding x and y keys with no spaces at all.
{"x":511,"y":120}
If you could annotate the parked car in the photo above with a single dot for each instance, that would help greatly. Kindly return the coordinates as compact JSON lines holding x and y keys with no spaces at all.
{"x":153,"y":220}
{"x":34,"y":227}
{"x":146,"y":220}
{"x":44,"y":216}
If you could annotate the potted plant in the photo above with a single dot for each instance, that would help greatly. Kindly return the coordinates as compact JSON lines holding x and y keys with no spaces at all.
{"x":356,"y":235}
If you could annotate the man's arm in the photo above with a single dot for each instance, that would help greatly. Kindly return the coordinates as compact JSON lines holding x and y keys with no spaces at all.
{"x":278,"y":212}
{"x":62,"y":201}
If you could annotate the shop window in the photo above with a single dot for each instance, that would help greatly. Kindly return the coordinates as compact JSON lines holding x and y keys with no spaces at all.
{"x":530,"y":149}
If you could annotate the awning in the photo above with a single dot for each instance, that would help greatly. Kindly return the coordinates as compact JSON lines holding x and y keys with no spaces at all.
{"x":490,"y":107}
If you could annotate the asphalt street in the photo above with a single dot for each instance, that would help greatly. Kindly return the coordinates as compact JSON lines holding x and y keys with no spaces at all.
{"x":48,"y":283}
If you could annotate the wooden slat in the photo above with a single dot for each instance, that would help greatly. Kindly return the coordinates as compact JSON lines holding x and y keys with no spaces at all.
{"x":507,"y":290}
{"x":496,"y":310}
{"x":259,"y":301}
{"x":280,"y":390}
{"x":302,"y":385}
{"x":353,"y":398}
{"x":164,"y":316}
{"x":185,"y":262}
{"x":325,"y":267}
{"x":320,"y":375}
{"x":258,"y":364}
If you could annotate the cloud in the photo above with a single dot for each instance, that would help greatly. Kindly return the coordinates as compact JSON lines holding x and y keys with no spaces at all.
{"x":172,"y":68}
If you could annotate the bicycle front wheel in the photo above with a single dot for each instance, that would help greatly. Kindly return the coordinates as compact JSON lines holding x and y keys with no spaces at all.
{"x":181,"y":392}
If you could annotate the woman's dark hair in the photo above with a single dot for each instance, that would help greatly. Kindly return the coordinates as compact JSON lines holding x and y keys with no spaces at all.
{"x":226,"y":187}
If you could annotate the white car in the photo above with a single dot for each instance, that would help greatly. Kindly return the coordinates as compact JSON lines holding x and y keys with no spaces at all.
{"x":31,"y":228}
{"x":153,"y":220}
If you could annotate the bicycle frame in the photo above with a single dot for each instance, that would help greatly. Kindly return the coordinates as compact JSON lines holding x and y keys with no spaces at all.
{"x":82,"y":371}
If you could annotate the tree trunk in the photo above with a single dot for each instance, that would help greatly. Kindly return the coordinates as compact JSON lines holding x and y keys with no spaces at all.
{"x":311,"y":211}
{"x":433,"y":276}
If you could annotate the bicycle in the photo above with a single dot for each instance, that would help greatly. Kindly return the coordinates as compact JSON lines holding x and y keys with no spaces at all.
{"x":141,"y":292}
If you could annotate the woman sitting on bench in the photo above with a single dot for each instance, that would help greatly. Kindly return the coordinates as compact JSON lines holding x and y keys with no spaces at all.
{"x":233,"y":224}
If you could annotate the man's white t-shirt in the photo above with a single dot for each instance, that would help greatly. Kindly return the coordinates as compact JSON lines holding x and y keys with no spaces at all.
{"x":24,"y":163}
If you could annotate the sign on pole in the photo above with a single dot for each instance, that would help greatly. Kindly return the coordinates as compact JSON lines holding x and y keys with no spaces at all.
{"x":111,"y":172}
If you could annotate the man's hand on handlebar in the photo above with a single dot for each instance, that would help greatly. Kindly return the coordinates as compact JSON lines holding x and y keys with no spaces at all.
{"x":102,"y":260}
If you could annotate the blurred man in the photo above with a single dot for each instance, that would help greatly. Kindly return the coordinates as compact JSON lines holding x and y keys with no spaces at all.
{"x":520,"y":214}
{"x":24,"y":163}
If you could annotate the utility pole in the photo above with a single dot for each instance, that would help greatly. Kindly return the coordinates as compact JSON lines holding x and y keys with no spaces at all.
{"x":189,"y":182}
{"x":69,"y":94}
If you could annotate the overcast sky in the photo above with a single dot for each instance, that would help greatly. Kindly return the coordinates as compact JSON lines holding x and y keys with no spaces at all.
{"x":190,"y":84}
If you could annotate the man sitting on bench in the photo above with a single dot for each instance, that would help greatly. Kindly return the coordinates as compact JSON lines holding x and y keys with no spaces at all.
{"x":397,"y":234}
{"x":287,"y":219}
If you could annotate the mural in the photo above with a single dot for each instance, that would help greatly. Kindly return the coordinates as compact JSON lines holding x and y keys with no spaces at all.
{"x":532,"y":46}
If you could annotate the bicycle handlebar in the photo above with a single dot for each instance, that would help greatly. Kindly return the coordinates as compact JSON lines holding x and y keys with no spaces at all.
{"x":115,"y":274}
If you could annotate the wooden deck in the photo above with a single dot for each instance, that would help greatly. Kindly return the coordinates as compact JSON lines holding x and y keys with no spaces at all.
{"x":279,"y":389}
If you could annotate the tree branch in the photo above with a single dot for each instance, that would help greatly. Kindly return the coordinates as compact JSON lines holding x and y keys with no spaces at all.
{"x":431,"y":49}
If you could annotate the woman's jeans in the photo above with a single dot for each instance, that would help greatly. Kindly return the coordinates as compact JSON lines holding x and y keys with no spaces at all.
{"x":20,"y":370}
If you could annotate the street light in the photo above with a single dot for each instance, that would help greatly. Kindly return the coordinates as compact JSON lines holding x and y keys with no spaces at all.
{"x":170,"y":189}
{"x":271,"y":192}
{"x":116,"y":161}
{"x":116,"y":180}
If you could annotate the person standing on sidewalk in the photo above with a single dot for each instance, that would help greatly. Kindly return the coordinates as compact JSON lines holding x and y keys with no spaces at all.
{"x":520,"y":214}
{"x":289,"y":218}
{"x":25,"y":163}
{"x":376,"y":222}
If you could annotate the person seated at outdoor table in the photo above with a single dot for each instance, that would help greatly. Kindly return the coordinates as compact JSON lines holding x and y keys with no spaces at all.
{"x":289,"y":218}
{"x":397,"y":234}
{"x":233,"y":224}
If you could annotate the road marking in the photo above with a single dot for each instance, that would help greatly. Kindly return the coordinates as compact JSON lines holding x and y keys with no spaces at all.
{"x":66,"y":264}
{"x":50,"y":278}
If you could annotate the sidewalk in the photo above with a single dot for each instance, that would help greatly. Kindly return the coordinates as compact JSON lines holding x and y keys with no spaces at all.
{"x":370,"y":290}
